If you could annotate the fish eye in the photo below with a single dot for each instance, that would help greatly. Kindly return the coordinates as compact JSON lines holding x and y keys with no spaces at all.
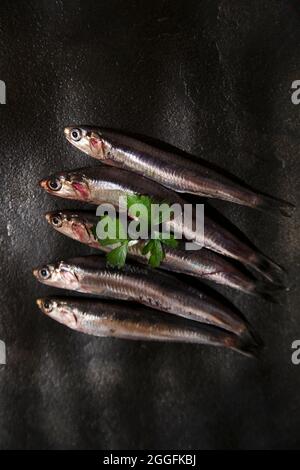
{"x":48,"y":305}
{"x":54,"y":184}
{"x":56,"y":221}
{"x":45,"y":273}
{"x":76,"y":134}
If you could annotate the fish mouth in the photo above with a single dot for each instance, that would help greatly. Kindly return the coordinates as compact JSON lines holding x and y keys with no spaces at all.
{"x":43,"y":184}
{"x":67,"y":132}
{"x":39,"y":303}
{"x":35,"y":272}
{"x":48,"y":216}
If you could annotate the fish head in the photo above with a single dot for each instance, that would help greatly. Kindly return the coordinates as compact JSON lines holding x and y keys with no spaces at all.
{"x":71,"y":224}
{"x":60,"y":275}
{"x":88,"y":140}
{"x":69,"y":185}
{"x":57,"y":220}
{"x":59,"y":310}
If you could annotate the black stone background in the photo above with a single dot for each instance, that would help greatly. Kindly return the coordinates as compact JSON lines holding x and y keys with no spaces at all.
{"x":212,"y":78}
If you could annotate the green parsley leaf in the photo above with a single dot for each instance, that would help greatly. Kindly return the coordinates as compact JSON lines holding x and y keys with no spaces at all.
{"x":108,"y":241}
{"x":117,"y":257}
{"x":154,"y":247}
{"x":172,"y":242}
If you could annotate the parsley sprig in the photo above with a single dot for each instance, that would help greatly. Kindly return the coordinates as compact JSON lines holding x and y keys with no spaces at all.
{"x":153,"y":248}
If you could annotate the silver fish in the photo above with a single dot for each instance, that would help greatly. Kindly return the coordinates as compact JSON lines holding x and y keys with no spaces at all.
{"x":202,"y":264}
{"x":103,"y":184}
{"x":111,"y":319}
{"x":158,"y":290}
{"x":171,"y":170}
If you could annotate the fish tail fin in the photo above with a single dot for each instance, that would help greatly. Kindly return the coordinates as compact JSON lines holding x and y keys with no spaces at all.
{"x":268,"y":291}
{"x":269,"y":203}
{"x":270,"y":270}
{"x":249,"y":344}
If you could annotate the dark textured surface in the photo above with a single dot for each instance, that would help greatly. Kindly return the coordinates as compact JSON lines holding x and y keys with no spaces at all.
{"x":210,"y":77}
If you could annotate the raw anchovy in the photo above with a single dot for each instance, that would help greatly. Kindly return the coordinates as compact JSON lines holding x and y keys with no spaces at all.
{"x":172,"y":170}
{"x":111,"y":319}
{"x":104,"y":184}
{"x":161,"y":291}
{"x":202,"y":264}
